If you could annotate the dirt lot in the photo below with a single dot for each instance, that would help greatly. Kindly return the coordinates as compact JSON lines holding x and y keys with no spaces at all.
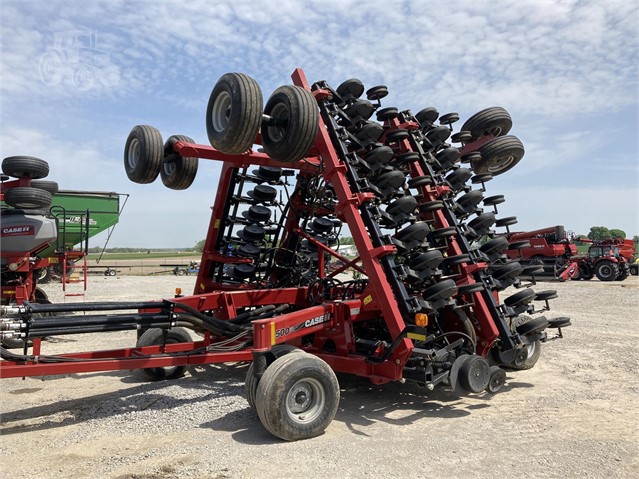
{"x":574,"y":415}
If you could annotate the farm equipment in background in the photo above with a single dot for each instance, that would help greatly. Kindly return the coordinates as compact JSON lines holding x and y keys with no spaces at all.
{"x":425,"y":308}
{"x":603,"y":260}
{"x":41,"y":227}
{"x":182,"y":269}
{"x":626,"y":249}
{"x":547,"y":247}
{"x":80,"y":215}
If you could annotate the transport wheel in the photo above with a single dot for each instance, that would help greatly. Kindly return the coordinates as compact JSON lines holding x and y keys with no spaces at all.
{"x":495,"y":121}
{"x":42,"y":275}
{"x":297,"y":397}
{"x":25,"y":166}
{"x":156,"y":336}
{"x":499,"y":155}
{"x":497,"y":379}
{"x":177,"y":172}
{"x":27,"y":197}
{"x":143,"y":154}
{"x":474,"y":374}
{"x":112,"y":272}
{"x":252,"y":381}
{"x":528,"y":359}
{"x":297,"y":119}
{"x":605,"y":270}
{"x":234,"y":113}
{"x":519,"y":359}
{"x":50,"y":186}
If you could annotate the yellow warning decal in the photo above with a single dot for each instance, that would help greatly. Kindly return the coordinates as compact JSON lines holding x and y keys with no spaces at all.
{"x":416,"y":337}
{"x":216,"y":224}
{"x":368,"y":299}
{"x":54,"y":260}
{"x":8,"y":291}
{"x":272,"y":333}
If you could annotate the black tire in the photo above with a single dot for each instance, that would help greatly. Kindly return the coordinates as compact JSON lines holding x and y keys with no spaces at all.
{"x":532,"y":326}
{"x":297,"y":109}
{"x":623,"y":274}
{"x":42,"y":275}
{"x":25,"y":166}
{"x":297,"y":397}
{"x":497,"y":379}
{"x":26,"y":197}
{"x":519,"y":359}
{"x":234,"y":113}
{"x":606,"y":270}
{"x":474,"y":374}
{"x":494,"y":121}
{"x":533,"y":351}
{"x":586,"y":272}
{"x":156,"y":336}
{"x":177,"y":172}
{"x":252,"y":381}
{"x":525,"y":296}
{"x":143,"y":154}
{"x":495,"y":245}
{"x":50,"y":186}
{"x":499,"y":155}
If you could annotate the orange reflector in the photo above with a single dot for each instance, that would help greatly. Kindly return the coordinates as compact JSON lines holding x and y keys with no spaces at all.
{"x":178,"y":291}
{"x":421,"y":320}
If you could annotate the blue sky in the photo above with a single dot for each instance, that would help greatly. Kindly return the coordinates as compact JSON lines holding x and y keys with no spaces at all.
{"x":566,"y":71}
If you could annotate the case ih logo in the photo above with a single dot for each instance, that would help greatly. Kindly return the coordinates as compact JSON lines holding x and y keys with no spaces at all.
{"x":21,"y":230}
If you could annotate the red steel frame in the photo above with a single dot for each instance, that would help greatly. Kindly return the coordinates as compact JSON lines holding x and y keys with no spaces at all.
{"x":329,"y":321}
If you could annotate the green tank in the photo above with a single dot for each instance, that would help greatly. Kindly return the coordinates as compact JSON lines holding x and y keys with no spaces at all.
{"x":81,"y":215}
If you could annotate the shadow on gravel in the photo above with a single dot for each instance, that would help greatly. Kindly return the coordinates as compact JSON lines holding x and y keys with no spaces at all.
{"x":363,"y":404}
{"x":203,"y":384}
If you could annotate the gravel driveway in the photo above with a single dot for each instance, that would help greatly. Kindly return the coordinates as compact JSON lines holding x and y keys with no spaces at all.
{"x":573,"y":415}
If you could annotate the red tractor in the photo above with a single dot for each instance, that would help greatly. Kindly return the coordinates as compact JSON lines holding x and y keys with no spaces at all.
{"x":603,"y":260}
{"x":426,"y":307}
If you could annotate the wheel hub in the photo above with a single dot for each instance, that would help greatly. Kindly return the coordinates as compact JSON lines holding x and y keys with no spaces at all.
{"x":134,"y":153}
{"x":306,"y":400}
{"x":221,"y":112}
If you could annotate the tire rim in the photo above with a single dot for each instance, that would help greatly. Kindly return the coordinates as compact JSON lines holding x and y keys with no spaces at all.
{"x":133,"y":155}
{"x":531,"y":349}
{"x":305,"y":401}
{"x":605,"y":271}
{"x":221,"y":112}
{"x":495,"y":130}
{"x":279,"y":112}
{"x":500,"y":164}
{"x":169,"y":168}
{"x":28,"y":206}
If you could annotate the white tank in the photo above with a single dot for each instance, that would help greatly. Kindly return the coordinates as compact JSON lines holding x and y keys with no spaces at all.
{"x":25,"y":231}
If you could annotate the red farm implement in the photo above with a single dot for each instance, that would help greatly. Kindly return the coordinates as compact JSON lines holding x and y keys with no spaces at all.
{"x":425,"y":307}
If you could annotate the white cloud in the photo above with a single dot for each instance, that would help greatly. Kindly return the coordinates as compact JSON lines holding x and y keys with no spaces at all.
{"x":566,"y":70}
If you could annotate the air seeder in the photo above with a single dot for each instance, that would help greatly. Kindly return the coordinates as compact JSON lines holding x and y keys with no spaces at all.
{"x":425,"y":306}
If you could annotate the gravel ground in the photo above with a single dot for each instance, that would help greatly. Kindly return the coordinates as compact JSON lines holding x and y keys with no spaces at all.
{"x":573,"y":415}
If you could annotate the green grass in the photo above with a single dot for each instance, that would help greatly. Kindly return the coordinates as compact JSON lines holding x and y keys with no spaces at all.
{"x":144,"y":255}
